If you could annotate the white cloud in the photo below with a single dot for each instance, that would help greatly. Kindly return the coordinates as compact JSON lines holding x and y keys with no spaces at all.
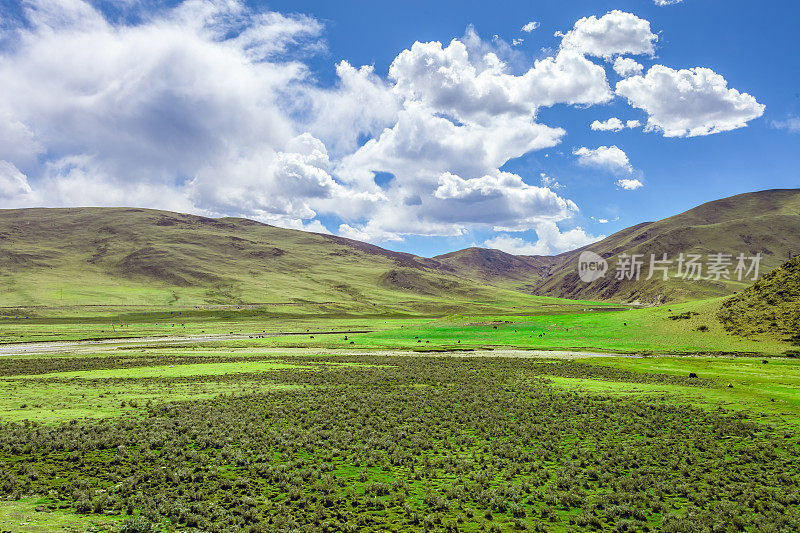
{"x":615,"y":33}
{"x":501,"y":200}
{"x":550,"y":241}
{"x":453,"y":81}
{"x":629,"y":184}
{"x":530,"y":26}
{"x":368,"y":233}
{"x":690,"y":102}
{"x":614,"y":124}
{"x":626,"y":67}
{"x":791,"y":124}
{"x":281,"y":188}
{"x":609,"y":157}
{"x":210,"y":107}
{"x":361,"y":103}
{"x":463,"y":117}
{"x":666,"y":2}
{"x":13,"y":183}
{"x":163,"y":112}
{"x":17,"y":141}
{"x":550,"y":182}
{"x":422,"y":145}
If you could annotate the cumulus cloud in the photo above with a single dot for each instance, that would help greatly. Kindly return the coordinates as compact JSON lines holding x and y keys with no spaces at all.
{"x":625,"y":67}
{"x":13,"y":183}
{"x":422,"y":145}
{"x":666,"y":2}
{"x":689,"y":102}
{"x":464,"y":115}
{"x":611,"y":158}
{"x":361,"y":103}
{"x":530,"y":26}
{"x":629,"y":184}
{"x":17,"y":141}
{"x":453,"y":81}
{"x":615,"y":33}
{"x":179,"y":111}
{"x":614,"y":124}
{"x":551,"y":241}
{"x":604,"y":220}
{"x":503,"y":200}
{"x":210,"y":107}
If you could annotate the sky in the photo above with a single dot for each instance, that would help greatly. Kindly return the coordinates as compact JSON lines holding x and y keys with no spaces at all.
{"x":530,"y":127}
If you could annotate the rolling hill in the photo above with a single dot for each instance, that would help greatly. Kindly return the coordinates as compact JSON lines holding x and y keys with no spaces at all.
{"x":771,"y":306}
{"x":125,"y":256}
{"x":128,"y":256}
{"x":766,"y":222}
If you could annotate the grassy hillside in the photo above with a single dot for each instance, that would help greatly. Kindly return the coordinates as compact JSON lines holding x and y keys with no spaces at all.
{"x":770,"y":307}
{"x":138,"y":257}
{"x":129,"y":257}
{"x":765,"y":222}
{"x":500,"y":268}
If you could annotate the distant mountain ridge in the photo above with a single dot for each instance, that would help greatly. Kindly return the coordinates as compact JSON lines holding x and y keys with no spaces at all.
{"x":87,"y":256}
{"x":765,"y":222}
{"x":131,"y":256}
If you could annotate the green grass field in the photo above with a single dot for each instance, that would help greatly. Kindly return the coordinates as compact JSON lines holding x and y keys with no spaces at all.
{"x":388,"y":442}
{"x":233,"y":419}
{"x":648,"y":330}
{"x":684,"y":328}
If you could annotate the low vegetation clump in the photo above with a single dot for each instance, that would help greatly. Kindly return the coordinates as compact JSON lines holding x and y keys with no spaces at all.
{"x":416,"y":443}
{"x":683,"y":316}
{"x":49,"y":365}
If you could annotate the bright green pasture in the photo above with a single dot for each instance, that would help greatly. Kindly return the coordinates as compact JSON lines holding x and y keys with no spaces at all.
{"x":772,"y":388}
{"x":631,"y":331}
{"x":22,"y":516}
{"x":51,"y":402}
{"x":170,"y":371}
{"x":101,"y":393}
{"x":110,"y":322}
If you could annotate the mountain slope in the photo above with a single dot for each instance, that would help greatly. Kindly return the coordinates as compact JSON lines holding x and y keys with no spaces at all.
{"x":770,"y":306}
{"x":125,"y":256}
{"x":496,"y":266}
{"x":766,"y":222}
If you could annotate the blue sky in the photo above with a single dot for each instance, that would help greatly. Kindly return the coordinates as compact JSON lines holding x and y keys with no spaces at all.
{"x":239,"y":109}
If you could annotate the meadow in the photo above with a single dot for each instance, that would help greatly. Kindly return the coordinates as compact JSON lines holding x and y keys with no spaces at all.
{"x":579,"y":417}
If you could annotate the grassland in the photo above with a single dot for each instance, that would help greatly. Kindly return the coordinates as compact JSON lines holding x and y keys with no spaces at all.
{"x":239,"y":418}
{"x":681,"y":328}
{"x":128,"y":257}
{"x":685,"y":328}
{"x":238,"y":439}
{"x":138,"y":257}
